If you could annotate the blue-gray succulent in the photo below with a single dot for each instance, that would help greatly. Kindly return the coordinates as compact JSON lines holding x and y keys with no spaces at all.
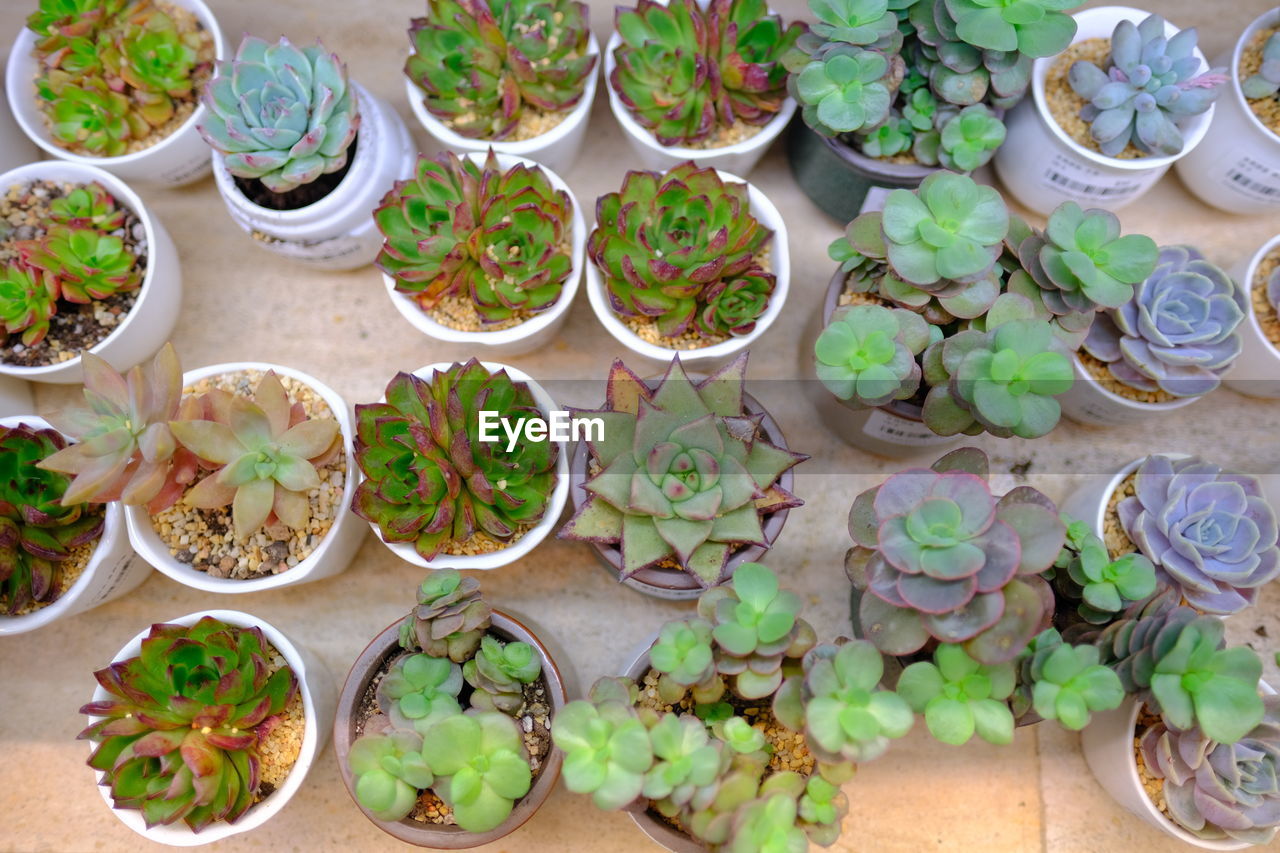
{"x":1266,"y":83}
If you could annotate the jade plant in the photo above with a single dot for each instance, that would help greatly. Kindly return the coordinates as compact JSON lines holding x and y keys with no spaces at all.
{"x":1149,"y":86}
{"x":926,"y":80}
{"x":112,"y":74}
{"x":419,"y":738}
{"x":495,"y":237}
{"x":685,"y":69}
{"x":1266,"y":82}
{"x":430,"y":480}
{"x":683,"y":477}
{"x":482,"y":66}
{"x":280,"y":114}
{"x":683,"y":250}
{"x":1100,"y":588}
{"x":180,"y":738}
{"x":1179,"y":332}
{"x":37,"y":533}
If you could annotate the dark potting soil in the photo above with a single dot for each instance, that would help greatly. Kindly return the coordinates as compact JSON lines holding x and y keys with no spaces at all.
{"x":300,"y":196}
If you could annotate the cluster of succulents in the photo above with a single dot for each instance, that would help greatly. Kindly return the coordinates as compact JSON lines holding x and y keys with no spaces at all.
{"x":922,"y":78}
{"x":280,"y":114}
{"x":1179,"y":332}
{"x":481,"y":65}
{"x":37,"y":533}
{"x":1086,"y":576}
{"x":497,"y":237}
{"x":685,"y":69}
{"x":475,"y":760}
{"x":1151,"y":84}
{"x":683,"y":250}
{"x":111,"y":72}
{"x":78,"y":258}
{"x":430,"y":479}
{"x":180,"y":737}
{"x":681,"y":475}
{"x":1266,"y":82}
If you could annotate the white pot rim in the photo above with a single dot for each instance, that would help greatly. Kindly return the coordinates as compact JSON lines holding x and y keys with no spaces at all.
{"x":525,"y":147}
{"x":15,"y":81}
{"x":1195,"y":127}
{"x":780,"y":261}
{"x":424,"y":323}
{"x":535,"y":535}
{"x":83,"y":173}
{"x":1251,"y":316}
{"x":1267,"y":20}
{"x":1084,"y":376}
{"x":146,"y":541}
{"x":113,"y":528}
{"x":179,"y":835}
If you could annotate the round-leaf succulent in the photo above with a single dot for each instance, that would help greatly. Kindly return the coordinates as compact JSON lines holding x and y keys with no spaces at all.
{"x":960,"y":697}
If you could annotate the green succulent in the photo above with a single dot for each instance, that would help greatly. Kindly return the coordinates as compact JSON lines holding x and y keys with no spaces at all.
{"x":683,"y":655}
{"x":481,"y":767}
{"x":607,"y":751}
{"x":55,"y":21}
{"x":740,"y":736}
{"x":754,"y":618}
{"x":867,"y":354}
{"x":822,"y":807}
{"x":948,"y":228}
{"x":88,"y":264}
{"x":1266,"y":83}
{"x":686,"y":758}
{"x":1084,"y":572}
{"x":419,"y":690}
{"x":1035,"y":28}
{"x":89,"y":114}
{"x":389,"y":771}
{"x":498,"y":674}
{"x":28,"y":300}
{"x":733,"y":305}
{"x":748,"y":43}
{"x":960,"y":697}
{"x":860,"y":22}
{"x":768,"y":825}
{"x":1065,"y":683}
{"x":450,"y":618}
{"x":890,"y":139}
{"x":845,"y":89}
{"x":970,"y":138}
{"x":87,"y":206}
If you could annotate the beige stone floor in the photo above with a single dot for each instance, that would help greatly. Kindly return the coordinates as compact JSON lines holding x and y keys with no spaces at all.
{"x":242,"y":303}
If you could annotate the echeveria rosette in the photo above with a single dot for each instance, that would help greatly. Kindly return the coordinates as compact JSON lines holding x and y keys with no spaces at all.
{"x":1209,"y":531}
{"x":89,"y":264}
{"x":1035,"y":28}
{"x":1266,"y":83}
{"x":157,"y":61}
{"x":481,"y":767}
{"x":662,"y":74}
{"x":867,"y":354}
{"x":733,"y":306}
{"x":179,"y":737}
{"x":87,"y":206}
{"x":683,"y":473}
{"x":429,"y":480}
{"x":89,"y":114}
{"x":462,"y":228}
{"x":960,"y":697}
{"x":748,"y":43}
{"x":1220,"y":791}
{"x":938,"y":557}
{"x":28,"y":300}
{"x":1179,"y":332}
{"x":948,"y":228}
{"x":666,"y":242}
{"x":281,"y":114}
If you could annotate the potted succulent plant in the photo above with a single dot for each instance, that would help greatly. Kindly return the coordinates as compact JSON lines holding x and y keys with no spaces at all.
{"x":302,"y":153}
{"x":55,"y":560}
{"x":1237,"y":166}
{"x":1164,"y":349}
{"x":116,"y":85}
{"x":440,"y":487}
{"x":700,"y":81}
{"x":1257,"y":371}
{"x":949,"y":316}
{"x":90,"y":270}
{"x":516,"y":77}
{"x":418,"y":765}
{"x":892,"y":91}
{"x":484,"y":250}
{"x":206,"y":726}
{"x":234,"y":477}
{"x":686,"y":481}
{"x":1109,"y":115}
{"x":689,"y":261}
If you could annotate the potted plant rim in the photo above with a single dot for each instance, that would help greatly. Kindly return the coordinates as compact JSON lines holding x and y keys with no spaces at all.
{"x":116,"y":85}
{"x":701,"y":81}
{"x":1257,"y":371}
{"x":302,"y":153}
{"x":690,"y":261}
{"x":234,"y":477}
{"x":444,"y":480}
{"x":1129,"y":96}
{"x":890,"y":92}
{"x":485,"y":250}
{"x":443,"y":733}
{"x":684,"y":481}
{"x":518,"y":78}
{"x":206,"y":726}
{"x":91,"y":269}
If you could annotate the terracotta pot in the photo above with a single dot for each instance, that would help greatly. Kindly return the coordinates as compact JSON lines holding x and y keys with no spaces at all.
{"x":359,"y":681}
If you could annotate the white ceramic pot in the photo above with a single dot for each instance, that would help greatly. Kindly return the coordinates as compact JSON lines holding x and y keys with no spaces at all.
{"x":316,"y":685}
{"x":557,"y":149}
{"x":154,"y":314}
{"x":540,"y":531}
{"x":337,"y":232}
{"x":1042,"y":166}
{"x":112,"y":569}
{"x":739,"y":158}
{"x":1089,"y":403}
{"x":535,"y":332}
{"x":179,"y":158}
{"x":1237,"y":166}
{"x":15,"y":147}
{"x":15,"y":397}
{"x":1107,"y":743}
{"x":330,"y":557}
{"x":1256,"y":371}
{"x":706,"y":358}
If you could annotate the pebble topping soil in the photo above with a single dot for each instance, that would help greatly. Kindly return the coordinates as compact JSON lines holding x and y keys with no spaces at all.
{"x":281,"y":746}
{"x":1065,"y":105}
{"x":1266,"y":109}
{"x":1113,"y":536}
{"x":1263,"y":310}
{"x":482,"y":543}
{"x":725,"y":135}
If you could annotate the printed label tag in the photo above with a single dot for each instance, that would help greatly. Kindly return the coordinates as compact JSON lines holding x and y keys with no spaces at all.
{"x":895,"y":430}
{"x":1252,"y":179}
{"x":1078,"y":180}
{"x":115,"y":575}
